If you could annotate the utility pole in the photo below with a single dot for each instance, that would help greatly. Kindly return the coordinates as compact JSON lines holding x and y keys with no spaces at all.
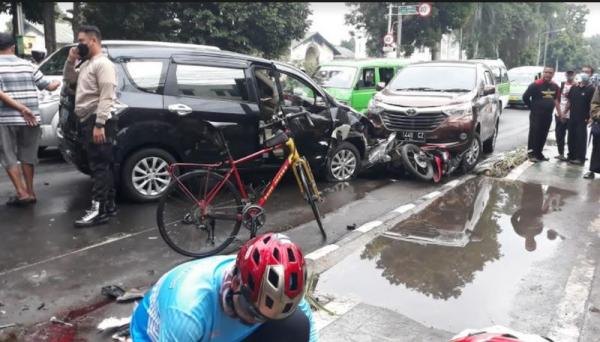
{"x":389,"y":18}
{"x":20,"y":27}
{"x":537,"y":61}
{"x":545,"y":49}
{"x":460,"y":45}
{"x":399,"y":35}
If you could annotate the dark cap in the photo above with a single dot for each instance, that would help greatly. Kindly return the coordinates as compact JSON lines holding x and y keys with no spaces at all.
{"x":6,"y":40}
{"x":569,"y":72}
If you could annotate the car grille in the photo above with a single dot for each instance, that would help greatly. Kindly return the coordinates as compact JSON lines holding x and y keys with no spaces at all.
{"x":422,"y":122}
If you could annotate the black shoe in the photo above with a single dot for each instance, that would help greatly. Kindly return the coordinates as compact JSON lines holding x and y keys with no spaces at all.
{"x":576,"y":162}
{"x":589,"y":175}
{"x":94,"y":216}
{"x":561,"y":157}
{"x":111,"y":208}
{"x":534,"y":159}
{"x":542,"y":157}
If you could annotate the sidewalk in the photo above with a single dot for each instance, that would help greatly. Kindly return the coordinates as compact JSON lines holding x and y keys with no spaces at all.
{"x":528,"y":263}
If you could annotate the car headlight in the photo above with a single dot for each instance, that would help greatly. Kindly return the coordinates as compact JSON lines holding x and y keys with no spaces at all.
{"x":374,"y":107}
{"x":464,"y":109}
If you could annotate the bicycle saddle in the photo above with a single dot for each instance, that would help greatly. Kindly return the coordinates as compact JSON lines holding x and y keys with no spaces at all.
{"x":279,"y":138}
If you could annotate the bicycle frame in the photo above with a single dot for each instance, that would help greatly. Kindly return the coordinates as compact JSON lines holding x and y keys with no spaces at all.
{"x":293,"y":158}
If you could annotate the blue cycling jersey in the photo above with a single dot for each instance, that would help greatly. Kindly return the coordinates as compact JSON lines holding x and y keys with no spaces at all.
{"x":184,"y":305}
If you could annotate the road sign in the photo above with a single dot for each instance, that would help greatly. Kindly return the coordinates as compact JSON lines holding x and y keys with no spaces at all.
{"x":407,"y":10}
{"x":388,"y":39}
{"x":424,"y":9}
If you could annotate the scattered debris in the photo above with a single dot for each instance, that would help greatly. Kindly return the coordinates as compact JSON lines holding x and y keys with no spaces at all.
{"x":114,"y":323}
{"x":501,"y":164}
{"x":46,"y":183}
{"x":152,"y":237}
{"x":113,"y":291}
{"x":9,"y":325}
{"x":52,"y":219}
{"x":55,"y":320}
{"x":351,"y":226}
{"x":122,"y":334}
{"x":25,"y":308}
{"x":2,"y":312}
{"x":1,"y":304}
{"x":41,"y":306}
{"x":594,"y":309}
{"x":131,"y":295}
{"x":151,"y":272}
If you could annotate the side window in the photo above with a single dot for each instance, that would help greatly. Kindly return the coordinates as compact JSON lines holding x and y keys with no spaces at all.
{"x":488,"y":78}
{"x":296,"y":93}
{"x":54,"y":65}
{"x":147,"y":75}
{"x":367,"y":79}
{"x":386,"y":75}
{"x":211,"y":82}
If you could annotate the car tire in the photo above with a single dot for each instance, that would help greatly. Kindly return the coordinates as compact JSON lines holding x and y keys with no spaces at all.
{"x":144,"y":176}
{"x":490,"y":145}
{"x":343,"y":163}
{"x":473,"y":154}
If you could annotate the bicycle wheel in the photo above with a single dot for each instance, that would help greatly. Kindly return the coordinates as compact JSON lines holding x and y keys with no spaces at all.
{"x":182,"y":224}
{"x":309,"y":196}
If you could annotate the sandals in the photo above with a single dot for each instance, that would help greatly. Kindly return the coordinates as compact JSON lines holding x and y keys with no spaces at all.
{"x":15,"y":201}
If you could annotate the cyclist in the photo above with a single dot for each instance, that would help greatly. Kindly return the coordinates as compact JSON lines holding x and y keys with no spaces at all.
{"x":253,"y":297}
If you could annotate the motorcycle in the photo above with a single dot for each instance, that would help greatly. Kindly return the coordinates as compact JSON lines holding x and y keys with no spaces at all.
{"x":426,"y":161}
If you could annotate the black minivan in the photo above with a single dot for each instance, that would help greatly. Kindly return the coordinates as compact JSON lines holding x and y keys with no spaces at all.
{"x":166,"y":93}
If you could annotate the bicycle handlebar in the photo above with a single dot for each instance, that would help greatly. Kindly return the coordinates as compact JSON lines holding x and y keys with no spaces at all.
{"x":290,"y":116}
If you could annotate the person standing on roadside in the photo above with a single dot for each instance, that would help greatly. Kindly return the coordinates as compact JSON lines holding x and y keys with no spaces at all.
{"x":19,"y":119}
{"x":561,"y":123}
{"x":579,"y":104}
{"x":542,"y":96}
{"x":94,"y":101}
{"x":595,"y":120}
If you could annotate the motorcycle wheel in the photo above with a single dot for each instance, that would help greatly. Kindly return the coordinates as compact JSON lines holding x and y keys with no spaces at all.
{"x":421,"y":168}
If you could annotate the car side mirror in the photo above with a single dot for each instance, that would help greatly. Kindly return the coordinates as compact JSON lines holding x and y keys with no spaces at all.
{"x":489,"y":90}
{"x":380,"y":86}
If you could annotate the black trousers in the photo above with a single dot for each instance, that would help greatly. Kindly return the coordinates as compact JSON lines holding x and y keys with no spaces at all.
{"x":561,"y":132}
{"x":595,"y":160}
{"x":295,"y":328}
{"x":577,"y":138}
{"x":539,"y":125}
{"x":100,"y":159}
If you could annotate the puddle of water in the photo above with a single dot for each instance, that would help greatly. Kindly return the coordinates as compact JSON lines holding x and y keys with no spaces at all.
{"x":460,"y":262}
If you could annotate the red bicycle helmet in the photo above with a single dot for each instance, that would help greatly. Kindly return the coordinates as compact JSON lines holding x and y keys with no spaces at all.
{"x":497,"y":334}
{"x":273,"y":275}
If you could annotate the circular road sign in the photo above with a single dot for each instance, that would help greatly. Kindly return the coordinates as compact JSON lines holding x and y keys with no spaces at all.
{"x":424,"y":9}
{"x":388,"y":39}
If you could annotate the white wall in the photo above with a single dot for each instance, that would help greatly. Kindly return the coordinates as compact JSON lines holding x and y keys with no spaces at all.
{"x":449,"y":50}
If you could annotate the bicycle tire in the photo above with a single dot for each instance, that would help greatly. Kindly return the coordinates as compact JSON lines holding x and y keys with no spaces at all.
{"x":310,"y":198}
{"x":174,"y":192}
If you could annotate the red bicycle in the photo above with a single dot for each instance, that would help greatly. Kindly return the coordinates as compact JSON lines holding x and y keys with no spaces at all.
{"x":201,"y":211}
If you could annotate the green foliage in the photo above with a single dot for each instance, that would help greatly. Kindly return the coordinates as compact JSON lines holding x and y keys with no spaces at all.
{"x":416,"y":31}
{"x":348,"y":44}
{"x":264,"y":29}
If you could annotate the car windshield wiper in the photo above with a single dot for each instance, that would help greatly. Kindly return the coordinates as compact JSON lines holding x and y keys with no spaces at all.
{"x":457,"y":90}
{"x":420,"y":89}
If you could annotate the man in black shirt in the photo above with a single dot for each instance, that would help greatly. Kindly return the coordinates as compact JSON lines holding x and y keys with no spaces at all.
{"x":542,"y":96}
{"x":579,"y":102}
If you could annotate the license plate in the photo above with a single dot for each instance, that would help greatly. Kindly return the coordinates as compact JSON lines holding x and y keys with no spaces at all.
{"x":412,"y":136}
{"x":514,"y":98}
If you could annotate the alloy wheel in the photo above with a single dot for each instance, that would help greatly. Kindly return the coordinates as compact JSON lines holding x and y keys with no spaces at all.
{"x":150,"y":176}
{"x":343,"y":165}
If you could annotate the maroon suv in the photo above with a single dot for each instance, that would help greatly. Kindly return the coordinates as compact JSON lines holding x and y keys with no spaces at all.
{"x":443,"y":102}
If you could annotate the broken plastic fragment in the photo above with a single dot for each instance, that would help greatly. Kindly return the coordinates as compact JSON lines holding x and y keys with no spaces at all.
{"x":113,"y":323}
{"x":112,"y":291}
{"x":131,"y":295}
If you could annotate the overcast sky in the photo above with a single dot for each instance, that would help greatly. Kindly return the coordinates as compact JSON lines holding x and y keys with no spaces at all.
{"x":328,"y":19}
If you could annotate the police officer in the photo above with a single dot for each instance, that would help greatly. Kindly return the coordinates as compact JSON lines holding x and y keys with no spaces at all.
{"x":94,"y":101}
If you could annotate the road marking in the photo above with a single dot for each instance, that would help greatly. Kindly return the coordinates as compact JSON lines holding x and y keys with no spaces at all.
{"x":518,"y":171}
{"x":404,"y":208}
{"x":571,"y":308}
{"x":368,"y":226}
{"x":105,"y":242}
{"x":321,"y":252}
{"x":432,"y":195}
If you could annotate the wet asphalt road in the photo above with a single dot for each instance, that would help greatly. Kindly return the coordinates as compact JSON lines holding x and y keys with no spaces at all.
{"x":43,"y":259}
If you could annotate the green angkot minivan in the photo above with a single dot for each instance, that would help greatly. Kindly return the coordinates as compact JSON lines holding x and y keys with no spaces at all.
{"x":354,"y":82}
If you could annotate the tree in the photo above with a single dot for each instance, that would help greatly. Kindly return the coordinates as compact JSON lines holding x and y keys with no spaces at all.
{"x":256,"y":28}
{"x":348,"y":44}
{"x":416,"y":31}
{"x":49,"y":20}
